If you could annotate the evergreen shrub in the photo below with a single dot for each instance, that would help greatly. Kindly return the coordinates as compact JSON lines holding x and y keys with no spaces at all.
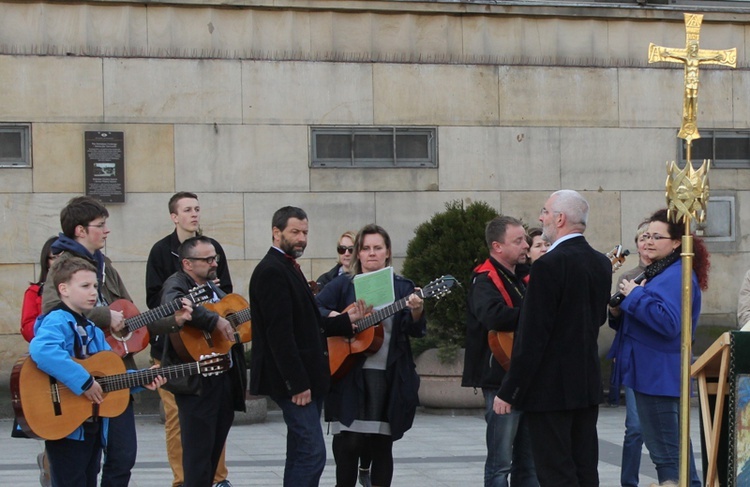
{"x":451,"y":242}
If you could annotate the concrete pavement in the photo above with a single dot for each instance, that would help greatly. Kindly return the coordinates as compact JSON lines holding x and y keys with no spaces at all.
{"x":440,"y":450}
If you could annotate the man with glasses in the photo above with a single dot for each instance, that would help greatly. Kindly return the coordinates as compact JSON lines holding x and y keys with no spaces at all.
{"x":163,"y":261}
{"x":84,"y":234}
{"x":554,"y":376}
{"x":205,"y":405}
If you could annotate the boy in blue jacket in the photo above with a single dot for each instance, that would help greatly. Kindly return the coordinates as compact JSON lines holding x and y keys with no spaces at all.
{"x":60,"y":335}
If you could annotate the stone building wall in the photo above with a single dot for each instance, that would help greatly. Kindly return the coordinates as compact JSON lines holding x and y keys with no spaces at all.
{"x":219,"y":99}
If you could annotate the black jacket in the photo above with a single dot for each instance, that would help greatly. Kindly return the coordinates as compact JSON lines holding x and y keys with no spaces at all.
{"x":176,"y":286}
{"x":555,"y":361}
{"x":347,"y":395}
{"x":163,"y":261}
{"x":487,"y":310}
{"x":289,"y":353}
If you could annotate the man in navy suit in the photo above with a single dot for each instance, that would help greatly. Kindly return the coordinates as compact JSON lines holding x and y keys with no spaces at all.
{"x":554,"y":375}
{"x":289,"y":358}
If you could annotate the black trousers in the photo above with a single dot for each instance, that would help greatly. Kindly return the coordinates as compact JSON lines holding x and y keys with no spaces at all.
{"x":204,"y":422}
{"x":565,"y":446}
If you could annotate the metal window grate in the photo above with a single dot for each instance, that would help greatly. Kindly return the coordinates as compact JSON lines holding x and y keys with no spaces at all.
{"x":373,"y":146}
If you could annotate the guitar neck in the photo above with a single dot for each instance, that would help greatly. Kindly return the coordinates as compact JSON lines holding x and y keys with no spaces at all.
{"x":142,"y":377}
{"x":381,"y":314}
{"x":239,"y":317}
{"x":152,"y":315}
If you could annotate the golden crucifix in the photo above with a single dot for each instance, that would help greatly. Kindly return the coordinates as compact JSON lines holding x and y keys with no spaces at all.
{"x":692,"y":57}
{"x":687,"y":198}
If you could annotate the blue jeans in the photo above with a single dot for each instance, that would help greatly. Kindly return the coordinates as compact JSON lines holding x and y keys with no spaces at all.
{"x":121,"y":449}
{"x":508,"y":448}
{"x":305,"y":448}
{"x":660,"y":426}
{"x":632,"y":444}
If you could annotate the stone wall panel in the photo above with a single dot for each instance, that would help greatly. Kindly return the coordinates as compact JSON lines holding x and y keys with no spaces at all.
{"x":435,"y":94}
{"x":499,"y":158}
{"x":50,"y":88}
{"x":549,"y":96}
{"x":172,"y":90}
{"x":615,"y":159}
{"x":306,"y":93}
{"x":237,"y":158}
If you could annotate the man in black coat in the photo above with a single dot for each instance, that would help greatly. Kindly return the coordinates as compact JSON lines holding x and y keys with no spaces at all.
{"x":494,"y":304}
{"x":289,"y":359}
{"x":555,"y":377}
{"x":205,"y":405}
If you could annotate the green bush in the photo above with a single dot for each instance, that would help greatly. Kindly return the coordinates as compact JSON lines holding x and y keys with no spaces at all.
{"x":451,"y":242}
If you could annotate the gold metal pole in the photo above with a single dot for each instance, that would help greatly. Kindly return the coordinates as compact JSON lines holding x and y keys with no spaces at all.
{"x":687,"y":198}
{"x":686,"y":353}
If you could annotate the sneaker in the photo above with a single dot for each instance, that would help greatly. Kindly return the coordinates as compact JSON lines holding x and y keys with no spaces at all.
{"x":44,"y":477}
{"x":364,"y":477}
{"x":223,"y":483}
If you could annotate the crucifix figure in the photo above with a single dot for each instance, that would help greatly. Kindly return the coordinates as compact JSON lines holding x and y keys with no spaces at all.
{"x":692,"y":57}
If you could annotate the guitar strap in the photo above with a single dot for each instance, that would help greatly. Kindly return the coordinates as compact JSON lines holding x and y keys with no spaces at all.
{"x":488,"y":267}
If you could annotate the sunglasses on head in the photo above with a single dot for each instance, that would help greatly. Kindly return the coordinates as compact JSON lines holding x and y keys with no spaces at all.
{"x":341,"y":249}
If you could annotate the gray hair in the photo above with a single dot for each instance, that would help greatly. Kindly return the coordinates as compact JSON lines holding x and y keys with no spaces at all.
{"x":572,"y":205}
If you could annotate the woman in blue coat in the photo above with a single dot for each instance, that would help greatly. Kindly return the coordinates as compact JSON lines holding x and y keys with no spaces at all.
{"x":648,"y":356}
{"x":374,"y":403}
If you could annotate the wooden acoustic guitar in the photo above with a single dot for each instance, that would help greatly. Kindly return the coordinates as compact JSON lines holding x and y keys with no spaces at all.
{"x":501,"y":342}
{"x":343,"y":351}
{"x":134,"y":336}
{"x":191,"y":342}
{"x":45,"y":408}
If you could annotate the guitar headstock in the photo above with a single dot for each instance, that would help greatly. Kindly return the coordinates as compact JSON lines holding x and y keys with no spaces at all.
{"x":439,"y":287}
{"x":617,"y":257}
{"x":214,"y":364}
{"x":200,"y":294}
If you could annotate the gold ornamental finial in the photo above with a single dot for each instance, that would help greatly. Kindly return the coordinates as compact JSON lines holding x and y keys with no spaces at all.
{"x":692,"y":57}
{"x":687,"y":191}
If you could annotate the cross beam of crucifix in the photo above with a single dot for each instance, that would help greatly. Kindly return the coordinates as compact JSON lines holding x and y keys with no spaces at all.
{"x":692,"y":57}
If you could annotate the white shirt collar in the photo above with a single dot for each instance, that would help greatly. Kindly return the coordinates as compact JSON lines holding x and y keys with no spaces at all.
{"x":562,"y":239}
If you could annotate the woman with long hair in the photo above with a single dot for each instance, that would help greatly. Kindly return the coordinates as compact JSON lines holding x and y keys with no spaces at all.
{"x":648,"y":355}
{"x":374,"y":403}
{"x":32,"y":298}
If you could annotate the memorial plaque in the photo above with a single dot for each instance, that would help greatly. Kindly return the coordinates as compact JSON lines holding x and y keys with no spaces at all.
{"x":105,"y":166}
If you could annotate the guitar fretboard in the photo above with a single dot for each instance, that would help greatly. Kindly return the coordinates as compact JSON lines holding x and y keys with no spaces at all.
{"x":142,"y":377}
{"x":381,"y":314}
{"x":152,"y":315}
{"x":239,"y":317}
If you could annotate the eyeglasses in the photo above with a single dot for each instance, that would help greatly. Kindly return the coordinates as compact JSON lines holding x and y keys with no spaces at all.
{"x":655,"y":237}
{"x":341,"y":249}
{"x":100,"y":226}
{"x":208,"y":260}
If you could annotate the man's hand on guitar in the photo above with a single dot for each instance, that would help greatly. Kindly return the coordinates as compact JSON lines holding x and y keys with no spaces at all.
{"x":116,"y":320}
{"x":95,"y":394}
{"x":358,"y":311}
{"x":225,"y":328}
{"x":500,"y":406}
{"x":303,"y":398}
{"x":185,"y":313}
{"x":158,"y":381}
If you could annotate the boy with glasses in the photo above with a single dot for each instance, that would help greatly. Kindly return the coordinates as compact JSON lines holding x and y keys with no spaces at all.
{"x":84,"y":234}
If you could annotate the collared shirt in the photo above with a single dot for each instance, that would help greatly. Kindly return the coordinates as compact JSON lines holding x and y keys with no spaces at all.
{"x":562,"y":239}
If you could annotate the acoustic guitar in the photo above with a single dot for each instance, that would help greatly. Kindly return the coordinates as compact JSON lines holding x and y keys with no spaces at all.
{"x":191,"y":342}
{"x":501,"y":342}
{"x":368,"y":337}
{"x":45,"y":408}
{"x":134,"y":336}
